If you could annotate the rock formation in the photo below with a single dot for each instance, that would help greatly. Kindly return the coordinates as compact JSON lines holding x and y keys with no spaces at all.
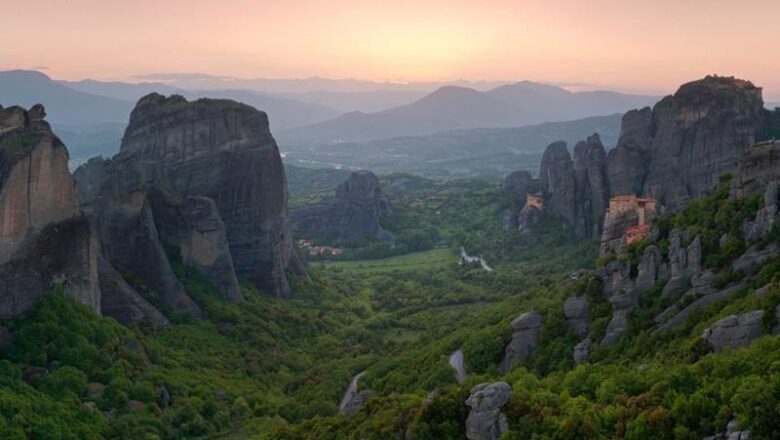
{"x":556,"y":176}
{"x":684,"y":262}
{"x":576,"y":311}
{"x":622,"y":289}
{"x":204,"y":178}
{"x":577,"y":190}
{"x":622,"y":305}
{"x":581,"y":351}
{"x":44,"y":239}
{"x":766,"y":217}
{"x":675,"y":151}
{"x":732,"y":433}
{"x":516,"y":187}
{"x":525,"y":335}
{"x":351,"y":217}
{"x":592,"y":186}
{"x":680,"y":148}
{"x":735,"y":331}
{"x":456,"y":362}
{"x":120,"y":301}
{"x":758,"y":167}
{"x":485,"y":420}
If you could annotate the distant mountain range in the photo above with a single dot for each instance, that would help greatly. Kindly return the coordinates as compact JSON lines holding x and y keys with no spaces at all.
{"x":202,"y":81}
{"x":454,"y":107}
{"x":90,"y":115}
{"x":89,"y":102}
{"x":64,"y":105}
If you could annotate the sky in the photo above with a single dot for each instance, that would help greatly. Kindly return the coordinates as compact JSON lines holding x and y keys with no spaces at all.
{"x":649,"y":46}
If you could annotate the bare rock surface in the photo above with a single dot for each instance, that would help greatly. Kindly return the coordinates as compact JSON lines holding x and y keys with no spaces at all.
{"x":576,"y":311}
{"x":525,"y":335}
{"x":485,"y":420}
{"x":735,"y":331}
{"x":203,"y":177}
{"x":44,"y":239}
{"x":353,"y":215}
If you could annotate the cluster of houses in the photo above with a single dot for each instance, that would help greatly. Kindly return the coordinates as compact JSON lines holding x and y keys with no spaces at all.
{"x":315,"y":250}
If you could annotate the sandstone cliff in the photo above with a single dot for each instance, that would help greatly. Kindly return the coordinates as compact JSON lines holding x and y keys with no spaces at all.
{"x":681,"y":147}
{"x":204,"y":178}
{"x":576,"y":189}
{"x":675,"y":151}
{"x":44,"y":239}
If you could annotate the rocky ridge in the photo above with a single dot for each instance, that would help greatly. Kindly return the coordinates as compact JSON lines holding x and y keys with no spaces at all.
{"x":204,"y":178}
{"x":672,"y":152}
{"x":45,"y":241}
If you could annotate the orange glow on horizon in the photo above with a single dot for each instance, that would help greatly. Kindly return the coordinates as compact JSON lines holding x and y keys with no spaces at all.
{"x":650,"y":47}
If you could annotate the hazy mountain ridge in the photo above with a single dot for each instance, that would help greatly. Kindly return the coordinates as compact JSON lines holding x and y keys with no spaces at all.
{"x":64,"y":105}
{"x":452,"y":107}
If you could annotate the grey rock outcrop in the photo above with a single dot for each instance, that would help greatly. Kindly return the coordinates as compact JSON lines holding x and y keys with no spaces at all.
{"x":581,"y":351}
{"x":353,"y":215}
{"x":648,"y":268}
{"x":194,"y":227}
{"x":732,"y":433}
{"x":672,"y":152}
{"x":626,"y":164}
{"x":44,"y":238}
{"x":525,"y":335}
{"x":615,"y":278}
{"x":576,"y":311}
{"x":680,"y":148}
{"x":457,"y":363}
{"x":766,"y":217}
{"x":556,"y":176}
{"x":516,"y":186}
{"x":120,"y":301}
{"x":775,"y":329}
{"x":735,"y":331}
{"x":758,"y":167}
{"x":592,"y":186}
{"x":519,"y":183}
{"x":754,"y":258}
{"x":485,"y":420}
{"x":622,"y":305}
{"x":200,"y":155}
{"x":223,"y":150}
{"x":130,"y":241}
{"x":684,"y":262}
{"x":674,"y":317}
{"x":575,"y":189}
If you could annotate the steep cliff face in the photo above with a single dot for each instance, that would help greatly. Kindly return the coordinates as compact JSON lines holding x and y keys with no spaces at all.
{"x":758,"y":167}
{"x":352,"y":216}
{"x":576,"y":189}
{"x":681,"y":148}
{"x":556,"y":176}
{"x":675,"y":151}
{"x":516,"y":186}
{"x":222,"y":150}
{"x":203,"y":177}
{"x":44,"y":239}
{"x":592,"y":186}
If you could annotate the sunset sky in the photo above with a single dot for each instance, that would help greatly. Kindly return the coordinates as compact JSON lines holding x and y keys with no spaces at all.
{"x":649,"y":46}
